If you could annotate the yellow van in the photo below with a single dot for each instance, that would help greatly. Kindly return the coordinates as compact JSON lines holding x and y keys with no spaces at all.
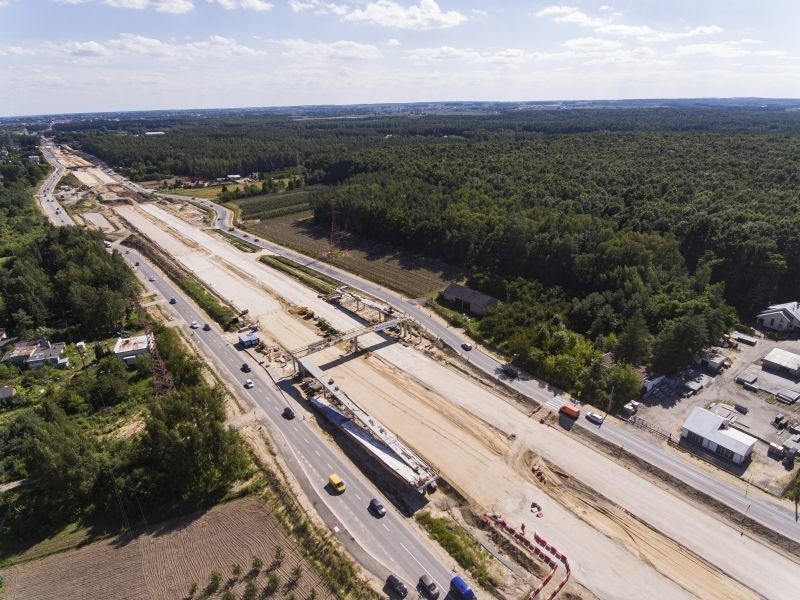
{"x":336,"y":482}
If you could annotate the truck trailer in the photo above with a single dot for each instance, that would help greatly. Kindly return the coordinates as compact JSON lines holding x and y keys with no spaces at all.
{"x":570,"y":410}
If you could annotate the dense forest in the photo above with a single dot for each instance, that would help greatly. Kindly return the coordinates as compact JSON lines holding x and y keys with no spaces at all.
{"x":645,"y":232}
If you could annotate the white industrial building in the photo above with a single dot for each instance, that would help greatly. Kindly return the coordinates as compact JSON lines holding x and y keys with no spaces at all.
{"x":780,"y":317}
{"x":129,"y":349}
{"x":782,"y":361}
{"x":715,"y":434}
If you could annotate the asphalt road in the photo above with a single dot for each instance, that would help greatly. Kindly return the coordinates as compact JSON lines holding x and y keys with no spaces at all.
{"x":54,"y":212}
{"x":389,"y":540}
{"x":755,"y":503}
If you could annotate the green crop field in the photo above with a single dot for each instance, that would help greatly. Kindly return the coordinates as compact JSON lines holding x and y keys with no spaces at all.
{"x":270,"y":206}
{"x":402,"y":271}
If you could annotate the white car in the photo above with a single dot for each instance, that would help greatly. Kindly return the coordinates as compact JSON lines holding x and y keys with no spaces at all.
{"x":194,"y":325}
{"x":248,"y":383}
{"x":151,"y":278}
{"x":595,"y":418}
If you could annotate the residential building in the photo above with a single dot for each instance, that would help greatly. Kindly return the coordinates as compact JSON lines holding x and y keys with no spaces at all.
{"x":780,"y":317}
{"x":7,"y":391}
{"x":715,"y":434}
{"x":468,"y":299}
{"x":131,"y":348}
{"x":33,"y":354}
{"x":34,"y":159}
{"x":782,"y":361}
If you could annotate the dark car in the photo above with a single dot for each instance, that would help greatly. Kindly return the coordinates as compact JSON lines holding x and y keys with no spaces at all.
{"x":376,"y":508}
{"x":288,"y":413}
{"x":245,"y":367}
{"x":428,"y":587}
{"x":397,"y":586}
{"x":206,"y":327}
{"x":466,"y":346}
{"x":173,"y":301}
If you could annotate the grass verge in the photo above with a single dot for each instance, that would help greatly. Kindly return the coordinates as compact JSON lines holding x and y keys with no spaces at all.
{"x":70,"y":180}
{"x":242,"y":245}
{"x":459,"y":544}
{"x":309,"y":277}
{"x":207,"y":301}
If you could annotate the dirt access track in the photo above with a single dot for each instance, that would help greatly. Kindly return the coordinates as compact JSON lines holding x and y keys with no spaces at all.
{"x":163,"y":563}
{"x":425,"y":402}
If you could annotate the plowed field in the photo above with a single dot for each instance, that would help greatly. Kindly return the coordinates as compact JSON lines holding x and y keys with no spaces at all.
{"x":163,"y":563}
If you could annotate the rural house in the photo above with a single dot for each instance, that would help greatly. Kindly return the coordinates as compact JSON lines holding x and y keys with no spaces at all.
{"x":468,"y":299}
{"x":131,"y":348}
{"x":780,"y":317}
{"x":37,"y":353}
{"x":715,"y":434}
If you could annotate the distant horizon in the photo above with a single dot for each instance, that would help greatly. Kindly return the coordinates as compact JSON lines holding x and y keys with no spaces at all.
{"x":91,"y":56}
{"x":719,"y":102}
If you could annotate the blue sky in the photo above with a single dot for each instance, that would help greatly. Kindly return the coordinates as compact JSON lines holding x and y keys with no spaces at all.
{"x":105,"y":55}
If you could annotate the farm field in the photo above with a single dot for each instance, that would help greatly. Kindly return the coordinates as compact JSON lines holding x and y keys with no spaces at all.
{"x":388,"y":266}
{"x":164,"y":562}
{"x":269,"y":206}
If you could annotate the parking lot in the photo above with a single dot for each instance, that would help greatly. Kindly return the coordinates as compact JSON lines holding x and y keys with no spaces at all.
{"x":669,"y":403}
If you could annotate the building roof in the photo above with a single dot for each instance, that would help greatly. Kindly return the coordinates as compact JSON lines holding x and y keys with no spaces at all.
{"x":7,"y":391}
{"x":790,"y":310}
{"x":249,"y":337}
{"x":716,"y":429}
{"x":132,"y":344}
{"x":472,"y":297}
{"x":782,"y":358}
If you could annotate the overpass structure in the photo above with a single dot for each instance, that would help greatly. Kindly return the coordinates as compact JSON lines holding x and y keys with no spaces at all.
{"x":368,"y":432}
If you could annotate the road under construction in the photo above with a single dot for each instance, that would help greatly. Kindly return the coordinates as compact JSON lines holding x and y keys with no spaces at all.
{"x":340,"y":409}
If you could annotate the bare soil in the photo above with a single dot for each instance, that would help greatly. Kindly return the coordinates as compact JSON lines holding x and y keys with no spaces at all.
{"x":163,"y":562}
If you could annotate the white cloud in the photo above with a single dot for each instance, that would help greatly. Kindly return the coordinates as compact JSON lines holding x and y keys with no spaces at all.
{"x":258,"y":5}
{"x":320,"y":7}
{"x":605,"y":8}
{"x":84,"y":49}
{"x":216,"y":47}
{"x":425,"y":15}
{"x":479,"y":13}
{"x":592,"y":44}
{"x":666,"y":36}
{"x":393,"y":42}
{"x":341,"y":50}
{"x":510,"y":56}
{"x":16,"y":51}
{"x":607,"y":25}
{"x":165,"y":6}
{"x":732,"y":49}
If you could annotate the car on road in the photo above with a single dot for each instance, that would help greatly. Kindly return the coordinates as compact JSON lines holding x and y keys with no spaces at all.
{"x":288,"y":413}
{"x":173,"y":301}
{"x":336,"y":483}
{"x":397,"y":586}
{"x":256,"y":239}
{"x":428,"y":587}
{"x":376,"y":508}
{"x":151,"y":278}
{"x":206,"y":327}
{"x":466,"y":346}
{"x":595,"y":418}
{"x":194,"y":325}
{"x":245,"y":367}
{"x":136,"y":264}
{"x":248,"y":383}
{"x":230,"y":228}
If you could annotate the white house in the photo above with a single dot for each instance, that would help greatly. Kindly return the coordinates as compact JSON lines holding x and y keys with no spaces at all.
{"x":780,"y":317}
{"x":715,"y":434}
{"x":129,"y":349}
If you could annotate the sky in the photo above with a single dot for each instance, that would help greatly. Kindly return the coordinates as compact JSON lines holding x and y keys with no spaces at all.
{"x":63,"y":56}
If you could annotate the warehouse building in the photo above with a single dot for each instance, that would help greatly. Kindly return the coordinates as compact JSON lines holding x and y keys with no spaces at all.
{"x":715,"y":434}
{"x":468,"y":299}
{"x":782,"y":362}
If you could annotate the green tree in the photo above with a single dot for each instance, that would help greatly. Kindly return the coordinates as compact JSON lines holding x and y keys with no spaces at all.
{"x":250,"y":591}
{"x":214,"y":581}
{"x":626,"y":384}
{"x":678,"y":342}
{"x":633,"y":344}
{"x":236,"y":570}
